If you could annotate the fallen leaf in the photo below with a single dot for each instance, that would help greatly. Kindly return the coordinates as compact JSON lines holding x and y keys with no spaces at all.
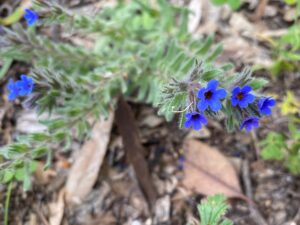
{"x":208,"y":172}
{"x":57,"y":209}
{"x":85,"y":170}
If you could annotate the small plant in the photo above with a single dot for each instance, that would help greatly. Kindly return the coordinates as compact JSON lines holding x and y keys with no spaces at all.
{"x":287,"y":51}
{"x":212,"y":209}
{"x":141,"y":51}
{"x":285,"y":148}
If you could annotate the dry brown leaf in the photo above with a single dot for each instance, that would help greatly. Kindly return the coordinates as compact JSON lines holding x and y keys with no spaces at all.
{"x":57,"y":209}
{"x":84,"y":171}
{"x":208,"y":172}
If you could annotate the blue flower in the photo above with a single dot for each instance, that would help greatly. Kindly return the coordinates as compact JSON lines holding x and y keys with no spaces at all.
{"x":25,"y":85}
{"x":264,"y":105}
{"x":31,"y":17}
{"x":13,"y":90}
{"x":249,"y":123}
{"x":242,"y":97}
{"x":210,"y":96}
{"x":194,"y":119}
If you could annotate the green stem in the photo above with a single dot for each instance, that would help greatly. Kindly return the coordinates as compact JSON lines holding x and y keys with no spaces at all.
{"x":7,"y":201}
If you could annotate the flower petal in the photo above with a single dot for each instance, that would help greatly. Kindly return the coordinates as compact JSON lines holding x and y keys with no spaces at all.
{"x":235,"y":91}
{"x":188,"y":115}
{"x":271,"y":102}
{"x":212,"y":84}
{"x":203,"y":120}
{"x":201,"y":93}
{"x":234,"y":101}
{"x":266,"y":111}
{"x":216,"y":106}
{"x":249,"y":98}
{"x":246,"y":89}
{"x":243,"y":103}
{"x":188,"y":123}
{"x":248,"y":127}
{"x":220,"y":93}
{"x":197,"y":125}
{"x":202,"y":105}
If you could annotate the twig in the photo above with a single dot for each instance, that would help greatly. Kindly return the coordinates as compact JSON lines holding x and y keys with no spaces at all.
{"x":184,"y":109}
{"x":41,"y":215}
{"x":134,"y":150}
{"x":254,"y":213}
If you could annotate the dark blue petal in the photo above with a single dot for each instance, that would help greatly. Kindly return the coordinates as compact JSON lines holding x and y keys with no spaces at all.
{"x":221,"y":93}
{"x":249,"y":98}
{"x":235,"y":91}
{"x":212,"y":84}
{"x":249,"y":123}
{"x":30,"y":16}
{"x":188,"y":115}
{"x":201,"y":93}
{"x":234,"y":101}
{"x":271,"y":102}
{"x":203,"y":120}
{"x":215,"y":106}
{"x":188,"y":123}
{"x":202,"y":105}
{"x":246,"y":89}
{"x":197,"y":125}
{"x":243,"y":103}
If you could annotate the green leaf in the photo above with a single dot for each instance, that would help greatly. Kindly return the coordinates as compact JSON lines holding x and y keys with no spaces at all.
{"x":290,"y":2}
{"x":8,"y":175}
{"x":258,"y":83}
{"x":216,"y":52}
{"x":218,"y":2}
{"x":234,"y":4}
{"x":206,"y":46}
{"x":211,"y":74}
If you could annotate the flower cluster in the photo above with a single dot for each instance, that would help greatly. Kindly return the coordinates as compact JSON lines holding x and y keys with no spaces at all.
{"x":210,"y":98}
{"x":21,"y":87}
